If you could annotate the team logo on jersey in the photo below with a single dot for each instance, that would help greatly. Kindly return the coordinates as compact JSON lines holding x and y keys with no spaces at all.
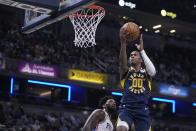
{"x":108,"y":126}
{"x":137,"y":83}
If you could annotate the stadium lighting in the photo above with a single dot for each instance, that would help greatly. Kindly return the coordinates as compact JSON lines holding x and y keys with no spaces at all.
{"x":163,"y":12}
{"x":124,"y":17}
{"x":167,"y":101}
{"x":53,"y":84}
{"x":194,"y":104}
{"x":146,"y":30}
{"x":117,"y":93}
{"x":128,"y":4}
{"x":140,"y":27}
{"x":157,"y":26}
{"x":172,"y":31}
{"x":156,"y":31}
{"x":168,"y":13}
{"x":45,"y":93}
{"x":11,"y":85}
{"x":121,"y":2}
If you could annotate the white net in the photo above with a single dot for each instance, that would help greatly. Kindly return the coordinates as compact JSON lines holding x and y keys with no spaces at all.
{"x":85,"y":24}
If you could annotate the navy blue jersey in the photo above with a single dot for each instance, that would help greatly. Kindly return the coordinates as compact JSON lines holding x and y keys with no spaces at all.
{"x":137,"y":87}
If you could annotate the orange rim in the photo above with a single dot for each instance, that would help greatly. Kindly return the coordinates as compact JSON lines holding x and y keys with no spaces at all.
{"x":95,"y":7}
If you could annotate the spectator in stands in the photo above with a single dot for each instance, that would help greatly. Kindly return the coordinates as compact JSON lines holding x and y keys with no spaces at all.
{"x":45,"y":47}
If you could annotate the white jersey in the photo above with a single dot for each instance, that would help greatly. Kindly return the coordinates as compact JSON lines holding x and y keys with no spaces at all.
{"x":105,"y":125}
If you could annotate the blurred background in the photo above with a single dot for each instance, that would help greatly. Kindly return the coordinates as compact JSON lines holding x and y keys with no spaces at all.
{"x":48,"y":84}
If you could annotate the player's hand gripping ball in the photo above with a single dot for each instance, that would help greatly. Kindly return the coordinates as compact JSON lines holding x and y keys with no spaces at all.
{"x":130,"y":31}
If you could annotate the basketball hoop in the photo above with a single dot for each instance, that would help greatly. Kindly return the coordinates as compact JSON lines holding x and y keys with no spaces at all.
{"x":85,"y":24}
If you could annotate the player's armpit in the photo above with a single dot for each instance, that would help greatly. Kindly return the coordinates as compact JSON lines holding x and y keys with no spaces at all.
{"x":123,"y":72}
{"x":96,"y":116}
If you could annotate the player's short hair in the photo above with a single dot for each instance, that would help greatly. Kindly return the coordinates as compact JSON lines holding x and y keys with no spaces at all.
{"x":135,"y":51}
{"x":143,"y":65}
{"x":103,"y":100}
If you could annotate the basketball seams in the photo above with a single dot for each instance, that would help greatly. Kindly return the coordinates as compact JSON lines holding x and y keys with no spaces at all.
{"x":132,"y":29}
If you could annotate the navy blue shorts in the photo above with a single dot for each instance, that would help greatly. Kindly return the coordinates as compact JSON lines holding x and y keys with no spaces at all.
{"x":138,"y":116}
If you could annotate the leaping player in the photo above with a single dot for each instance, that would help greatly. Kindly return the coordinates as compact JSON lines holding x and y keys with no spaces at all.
{"x":102,"y":119}
{"x":136,"y":81}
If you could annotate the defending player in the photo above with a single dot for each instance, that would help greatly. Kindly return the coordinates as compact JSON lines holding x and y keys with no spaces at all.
{"x":102,"y":119}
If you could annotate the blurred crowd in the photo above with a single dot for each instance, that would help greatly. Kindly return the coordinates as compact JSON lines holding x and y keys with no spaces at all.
{"x":15,"y":117}
{"x":164,"y":120}
{"x":161,"y":126}
{"x":175,"y":65}
{"x":49,"y":47}
{"x":19,"y":117}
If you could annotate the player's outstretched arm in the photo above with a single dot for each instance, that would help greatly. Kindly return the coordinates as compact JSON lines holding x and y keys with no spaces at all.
{"x":123,"y":54}
{"x":148,"y":63}
{"x":96,"y":116}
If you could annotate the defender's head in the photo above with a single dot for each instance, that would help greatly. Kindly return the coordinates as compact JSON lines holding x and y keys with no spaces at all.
{"x":135,"y":58}
{"x":108,"y":103}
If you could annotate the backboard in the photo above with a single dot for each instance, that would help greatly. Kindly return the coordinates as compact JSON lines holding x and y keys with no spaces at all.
{"x":45,"y":12}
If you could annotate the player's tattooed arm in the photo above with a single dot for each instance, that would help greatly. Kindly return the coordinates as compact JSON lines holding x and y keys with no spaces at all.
{"x":93,"y":120}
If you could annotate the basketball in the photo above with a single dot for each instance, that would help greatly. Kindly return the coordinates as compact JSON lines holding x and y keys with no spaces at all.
{"x":131,"y":30}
